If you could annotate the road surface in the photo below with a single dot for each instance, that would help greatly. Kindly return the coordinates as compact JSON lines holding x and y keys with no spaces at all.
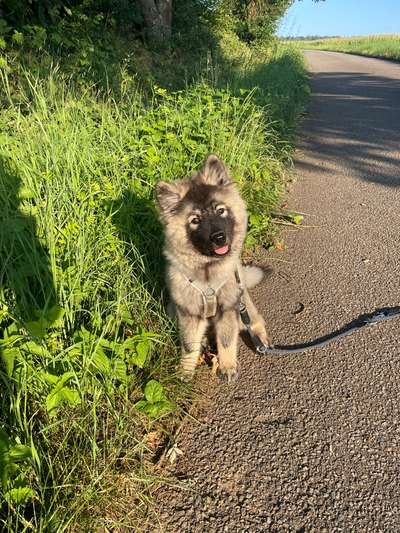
{"x":311,"y":442}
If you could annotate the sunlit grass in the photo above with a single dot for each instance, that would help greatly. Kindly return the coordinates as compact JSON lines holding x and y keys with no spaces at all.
{"x":81,"y":272}
{"x":385,"y":46}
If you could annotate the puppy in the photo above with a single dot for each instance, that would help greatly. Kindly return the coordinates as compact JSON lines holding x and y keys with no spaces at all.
{"x":205,"y":222}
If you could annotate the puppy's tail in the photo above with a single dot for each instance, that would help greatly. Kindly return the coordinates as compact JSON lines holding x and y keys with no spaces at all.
{"x":252,"y":276}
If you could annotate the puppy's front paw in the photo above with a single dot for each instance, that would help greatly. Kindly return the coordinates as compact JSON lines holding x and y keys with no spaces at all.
{"x":188,"y":365}
{"x":185,"y":376}
{"x":259,"y":329}
{"x":229,"y":375}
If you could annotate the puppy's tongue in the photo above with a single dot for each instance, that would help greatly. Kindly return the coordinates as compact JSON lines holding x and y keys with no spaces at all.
{"x":223,"y":250}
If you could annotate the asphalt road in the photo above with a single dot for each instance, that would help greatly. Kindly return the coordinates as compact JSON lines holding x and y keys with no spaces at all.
{"x":311,"y":442}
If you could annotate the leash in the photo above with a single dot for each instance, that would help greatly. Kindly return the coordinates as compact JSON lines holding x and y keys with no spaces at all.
{"x":370,"y":319}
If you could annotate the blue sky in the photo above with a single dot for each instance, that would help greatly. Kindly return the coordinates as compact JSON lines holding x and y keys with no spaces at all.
{"x":341,"y":17}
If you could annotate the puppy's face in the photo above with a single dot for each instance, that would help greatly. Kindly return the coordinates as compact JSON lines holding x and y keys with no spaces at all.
{"x":209,"y":220}
{"x":203,"y":213}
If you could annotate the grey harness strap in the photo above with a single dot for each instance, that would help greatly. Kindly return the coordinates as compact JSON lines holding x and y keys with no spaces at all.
{"x":209,"y":296}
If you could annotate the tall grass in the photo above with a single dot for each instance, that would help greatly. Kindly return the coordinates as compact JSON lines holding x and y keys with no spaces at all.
{"x":385,"y":46}
{"x":87,"y":351}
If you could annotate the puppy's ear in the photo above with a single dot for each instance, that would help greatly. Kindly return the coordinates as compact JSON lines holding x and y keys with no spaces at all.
{"x":167,"y":196}
{"x":214,"y":172}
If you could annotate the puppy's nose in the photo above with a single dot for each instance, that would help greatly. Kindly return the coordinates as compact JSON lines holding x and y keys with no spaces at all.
{"x":218,"y":238}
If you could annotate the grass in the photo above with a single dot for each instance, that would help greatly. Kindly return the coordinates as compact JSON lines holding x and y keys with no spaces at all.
{"x":384,"y":46}
{"x":89,"y":391}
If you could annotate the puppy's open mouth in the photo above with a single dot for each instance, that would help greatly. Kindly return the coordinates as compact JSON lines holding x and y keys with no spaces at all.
{"x":222,"y":250}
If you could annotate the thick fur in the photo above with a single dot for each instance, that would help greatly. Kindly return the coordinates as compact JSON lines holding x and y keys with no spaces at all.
{"x":252,"y":276}
{"x":180,"y":203}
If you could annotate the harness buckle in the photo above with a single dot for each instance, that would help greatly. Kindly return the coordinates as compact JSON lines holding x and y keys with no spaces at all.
{"x":210,"y":302}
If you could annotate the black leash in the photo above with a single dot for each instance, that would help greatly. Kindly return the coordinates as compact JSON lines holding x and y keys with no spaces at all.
{"x":380,"y":315}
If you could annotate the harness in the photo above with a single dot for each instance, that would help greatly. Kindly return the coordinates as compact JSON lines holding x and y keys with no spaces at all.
{"x":209,"y":296}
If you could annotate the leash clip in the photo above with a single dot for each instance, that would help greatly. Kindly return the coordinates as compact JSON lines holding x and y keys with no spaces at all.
{"x":262,"y":349}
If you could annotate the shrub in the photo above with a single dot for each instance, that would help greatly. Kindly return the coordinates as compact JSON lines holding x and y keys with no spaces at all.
{"x":87,"y":352}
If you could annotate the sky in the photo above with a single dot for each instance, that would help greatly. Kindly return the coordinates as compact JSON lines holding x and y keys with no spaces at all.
{"x":341,"y":17}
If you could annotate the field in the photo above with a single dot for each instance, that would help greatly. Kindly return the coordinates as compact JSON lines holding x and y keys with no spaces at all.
{"x":89,"y":393}
{"x":385,"y":46}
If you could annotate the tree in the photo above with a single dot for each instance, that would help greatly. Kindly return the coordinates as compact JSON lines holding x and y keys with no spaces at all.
{"x":157,"y":15}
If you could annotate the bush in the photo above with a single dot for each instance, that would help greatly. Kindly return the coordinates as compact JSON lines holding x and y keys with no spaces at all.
{"x":87,"y":352}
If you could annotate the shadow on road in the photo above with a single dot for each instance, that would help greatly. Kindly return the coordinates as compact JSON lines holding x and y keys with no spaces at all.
{"x":363,"y":114}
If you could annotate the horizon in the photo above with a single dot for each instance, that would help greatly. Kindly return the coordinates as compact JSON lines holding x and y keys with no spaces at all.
{"x":338,"y":36}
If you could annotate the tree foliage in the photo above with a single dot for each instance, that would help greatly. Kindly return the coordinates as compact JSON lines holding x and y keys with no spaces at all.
{"x":58,"y":21}
{"x":97,"y":37}
{"x":255,"y":19}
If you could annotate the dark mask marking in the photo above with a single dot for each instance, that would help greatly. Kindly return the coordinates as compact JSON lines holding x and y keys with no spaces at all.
{"x":209,"y":225}
{"x":202,"y":197}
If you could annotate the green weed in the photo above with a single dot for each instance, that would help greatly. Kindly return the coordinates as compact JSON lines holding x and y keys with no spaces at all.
{"x":87,"y":352}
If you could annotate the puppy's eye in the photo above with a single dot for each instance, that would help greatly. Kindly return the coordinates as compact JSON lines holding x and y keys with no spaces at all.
{"x":195,"y":221}
{"x":221,"y":211}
